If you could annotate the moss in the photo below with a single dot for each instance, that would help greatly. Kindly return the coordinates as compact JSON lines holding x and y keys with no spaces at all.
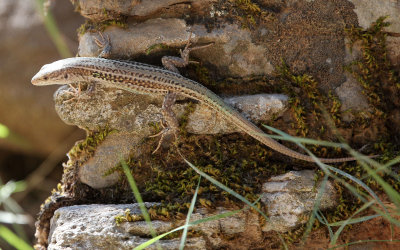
{"x":310,"y":100}
{"x":232,"y":162}
{"x":247,"y":12}
{"x":156,"y":47}
{"x":374,"y":71}
{"x":90,"y":26}
{"x":127,"y":217}
{"x":84,"y":149}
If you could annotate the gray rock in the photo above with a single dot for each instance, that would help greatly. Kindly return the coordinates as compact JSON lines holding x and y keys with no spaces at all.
{"x":233,"y":52}
{"x":368,"y":11}
{"x":352,"y":99}
{"x":289,"y":197}
{"x":109,"y":153}
{"x":94,"y":227}
{"x":107,"y":10}
{"x":130,"y":114}
{"x":260,"y":107}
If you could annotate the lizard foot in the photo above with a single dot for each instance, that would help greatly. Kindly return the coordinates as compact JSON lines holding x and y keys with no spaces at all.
{"x":172,"y":62}
{"x":104,"y":43}
{"x":74,"y":91}
{"x":164,"y":132}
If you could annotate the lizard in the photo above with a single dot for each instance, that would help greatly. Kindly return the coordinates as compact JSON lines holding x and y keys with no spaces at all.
{"x":143,"y":78}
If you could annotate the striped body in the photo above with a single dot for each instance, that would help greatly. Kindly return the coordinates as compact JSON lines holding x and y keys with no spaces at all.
{"x":147,"y":79}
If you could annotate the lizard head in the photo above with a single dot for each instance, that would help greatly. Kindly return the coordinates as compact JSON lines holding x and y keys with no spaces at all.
{"x":53,"y":73}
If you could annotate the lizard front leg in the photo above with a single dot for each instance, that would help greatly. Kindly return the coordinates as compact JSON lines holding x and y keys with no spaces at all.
{"x":172,"y":63}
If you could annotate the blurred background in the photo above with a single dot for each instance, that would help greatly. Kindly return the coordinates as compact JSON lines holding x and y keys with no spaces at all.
{"x":33,"y":139}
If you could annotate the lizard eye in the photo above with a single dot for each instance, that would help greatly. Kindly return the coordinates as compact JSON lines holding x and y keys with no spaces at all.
{"x":45,"y":78}
{"x":66,"y":76}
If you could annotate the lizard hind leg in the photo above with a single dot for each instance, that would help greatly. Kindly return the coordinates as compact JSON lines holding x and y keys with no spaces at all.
{"x":171,"y":123}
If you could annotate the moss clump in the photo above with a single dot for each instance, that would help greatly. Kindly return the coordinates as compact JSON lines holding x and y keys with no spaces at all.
{"x":156,"y":46}
{"x":306,"y":99}
{"x":232,"y":160}
{"x":101,"y":26}
{"x":85,"y":149}
{"x":374,"y":71}
{"x":127,"y":217}
{"x":247,"y":12}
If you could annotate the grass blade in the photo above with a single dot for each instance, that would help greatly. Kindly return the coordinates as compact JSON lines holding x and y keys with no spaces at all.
{"x":193,"y":223}
{"x":191,"y":208}
{"x":13,"y":239}
{"x":138,"y":198}
{"x":53,"y":31}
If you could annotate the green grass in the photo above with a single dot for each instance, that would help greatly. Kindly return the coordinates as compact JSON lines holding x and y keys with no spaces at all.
{"x":368,"y":197}
{"x":52,"y":29}
{"x":13,"y":215}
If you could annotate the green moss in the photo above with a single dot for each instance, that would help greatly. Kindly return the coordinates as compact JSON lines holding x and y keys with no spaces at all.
{"x":234,"y":163}
{"x":127,"y":217}
{"x":248,"y":12}
{"x":90,"y":26}
{"x":156,"y":46}
{"x":86,"y":148}
{"x":374,"y":71}
{"x":305,"y":98}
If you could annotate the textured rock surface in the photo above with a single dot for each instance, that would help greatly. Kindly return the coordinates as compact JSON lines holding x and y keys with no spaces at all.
{"x":106,"y":10}
{"x":233,"y":53}
{"x":93,"y":227}
{"x":368,"y":11}
{"x":103,"y":108}
{"x":290,"y":196}
{"x":352,"y":99}
{"x":24,"y":47}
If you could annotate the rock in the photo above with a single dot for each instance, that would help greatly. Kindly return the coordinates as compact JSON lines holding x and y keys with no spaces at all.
{"x":289,"y":197}
{"x":108,"y":10}
{"x":94,"y":227}
{"x":23,"y":50}
{"x":260,"y":107}
{"x":233,"y":54}
{"x":369,"y":11}
{"x":130,"y":114}
{"x":352,"y":99}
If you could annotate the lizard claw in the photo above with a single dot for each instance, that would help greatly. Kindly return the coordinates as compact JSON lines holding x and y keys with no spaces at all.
{"x":162,"y":133}
{"x":104,"y":43}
